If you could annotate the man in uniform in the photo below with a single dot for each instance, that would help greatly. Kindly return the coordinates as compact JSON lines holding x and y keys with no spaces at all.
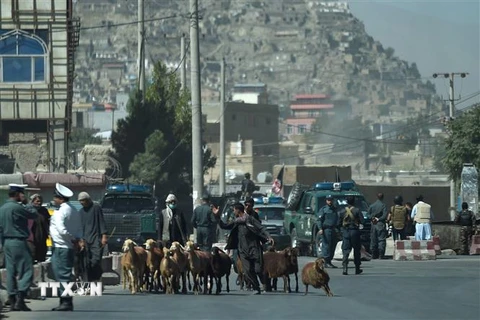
{"x":378,"y":238}
{"x":94,"y":235}
{"x":351,"y":221}
{"x":67,"y":232}
{"x":14,"y":233}
{"x":422,"y":215}
{"x":203,"y":220}
{"x":465,"y":218}
{"x":248,"y":187}
{"x":246,"y":235}
{"x":398,"y":217}
{"x":249,"y":204}
{"x":327,"y":223}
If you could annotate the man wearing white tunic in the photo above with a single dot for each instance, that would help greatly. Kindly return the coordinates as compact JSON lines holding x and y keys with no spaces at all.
{"x":422,"y":215}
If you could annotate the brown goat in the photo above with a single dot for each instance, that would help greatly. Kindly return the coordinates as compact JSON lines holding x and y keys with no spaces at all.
{"x":181,"y":258}
{"x":221,"y":266}
{"x":170,"y":272}
{"x":133,"y":265}
{"x":314,"y":274}
{"x":155,"y":256}
{"x":293,"y":270}
{"x":278,"y":264}
{"x":199,"y":263}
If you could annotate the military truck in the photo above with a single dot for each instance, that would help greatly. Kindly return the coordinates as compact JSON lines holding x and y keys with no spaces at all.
{"x":303,"y":205}
{"x":130,"y":212}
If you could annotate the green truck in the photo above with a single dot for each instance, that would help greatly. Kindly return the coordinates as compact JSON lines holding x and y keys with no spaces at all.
{"x":303,"y":205}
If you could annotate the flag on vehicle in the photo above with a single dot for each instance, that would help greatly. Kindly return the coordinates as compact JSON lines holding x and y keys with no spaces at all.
{"x":278,"y":183}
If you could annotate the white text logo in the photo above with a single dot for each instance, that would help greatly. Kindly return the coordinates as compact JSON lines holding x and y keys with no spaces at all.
{"x":71,"y":289}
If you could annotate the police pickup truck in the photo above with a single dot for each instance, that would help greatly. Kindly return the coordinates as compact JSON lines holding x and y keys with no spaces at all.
{"x":129,"y":212}
{"x":303,"y":205}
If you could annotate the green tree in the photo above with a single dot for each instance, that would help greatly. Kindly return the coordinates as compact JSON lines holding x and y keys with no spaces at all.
{"x":462,"y":144}
{"x":153,"y":143}
{"x":82,"y":136}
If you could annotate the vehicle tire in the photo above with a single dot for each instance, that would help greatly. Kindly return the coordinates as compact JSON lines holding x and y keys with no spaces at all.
{"x":295,"y":196}
{"x":294,"y":238}
{"x":316,"y":247}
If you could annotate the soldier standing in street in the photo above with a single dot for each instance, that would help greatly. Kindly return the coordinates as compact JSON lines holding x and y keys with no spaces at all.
{"x":327,"y":223}
{"x":66,"y":231}
{"x":203,"y":220}
{"x":94,"y":234}
{"x":248,"y":187}
{"x":351,"y":221}
{"x":18,"y":258}
{"x":465,"y":218}
{"x":398,"y":216}
{"x":378,"y":239}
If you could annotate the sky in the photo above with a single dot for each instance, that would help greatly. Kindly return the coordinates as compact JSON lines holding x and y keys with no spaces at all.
{"x":439,"y":36}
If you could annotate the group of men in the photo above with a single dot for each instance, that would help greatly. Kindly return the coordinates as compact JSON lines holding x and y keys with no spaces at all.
{"x":71,"y":232}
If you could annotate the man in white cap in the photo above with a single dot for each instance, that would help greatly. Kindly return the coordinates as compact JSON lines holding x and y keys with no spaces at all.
{"x":14,"y":233}
{"x":94,"y":235}
{"x":67,"y":232}
{"x":171,"y":223}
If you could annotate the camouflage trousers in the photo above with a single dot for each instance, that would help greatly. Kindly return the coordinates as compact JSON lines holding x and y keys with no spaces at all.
{"x":466,"y":233}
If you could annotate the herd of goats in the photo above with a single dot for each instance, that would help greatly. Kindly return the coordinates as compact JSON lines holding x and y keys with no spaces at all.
{"x":157,"y":268}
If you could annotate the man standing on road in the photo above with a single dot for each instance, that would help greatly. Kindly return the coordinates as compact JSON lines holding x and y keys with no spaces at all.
{"x":351,"y":221}
{"x":203,"y":220}
{"x":171,"y":223}
{"x":422,"y":215}
{"x":94,"y":235}
{"x":327,"y":223}
{"x":378,"y":239}
{"x":246,"y":235}
{"x":249,"y":204}
{"x":18,"y":258}
{"x":248,"y":187}
{"x":398,"y":217}
{"x":66,"y":231}
{"x":465,"y":218}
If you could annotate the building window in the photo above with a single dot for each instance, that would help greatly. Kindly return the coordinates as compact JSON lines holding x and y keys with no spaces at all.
{"x":23,"y":57}
{"x":289,"y":129}
{"x":312,"y":114}
{"x":302,"y":128}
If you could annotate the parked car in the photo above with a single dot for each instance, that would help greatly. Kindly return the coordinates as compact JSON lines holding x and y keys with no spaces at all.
{"x":303,"y":205}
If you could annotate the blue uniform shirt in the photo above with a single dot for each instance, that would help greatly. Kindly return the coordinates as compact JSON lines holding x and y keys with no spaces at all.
{"x":327,"y":217}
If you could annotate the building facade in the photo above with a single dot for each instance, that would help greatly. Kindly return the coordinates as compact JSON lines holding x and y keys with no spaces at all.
{"x":37,"y":45}
{"x":305,"y":110}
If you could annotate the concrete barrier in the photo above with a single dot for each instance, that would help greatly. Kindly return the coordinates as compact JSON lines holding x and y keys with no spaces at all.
{"x":412,"y":250}
{"x":475,"y":247}
{"x":436,"y":245}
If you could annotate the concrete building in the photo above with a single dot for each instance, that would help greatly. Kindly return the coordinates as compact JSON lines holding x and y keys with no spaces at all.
{"x":37,"y":45}
{"x":306,"y":108}
{"x":255,"y":93}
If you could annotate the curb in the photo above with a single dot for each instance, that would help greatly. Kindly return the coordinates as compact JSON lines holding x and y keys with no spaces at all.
{"x":411,"y":250}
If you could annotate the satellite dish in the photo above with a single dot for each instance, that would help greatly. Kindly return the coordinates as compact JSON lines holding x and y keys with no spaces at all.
{"x":64,"y":191}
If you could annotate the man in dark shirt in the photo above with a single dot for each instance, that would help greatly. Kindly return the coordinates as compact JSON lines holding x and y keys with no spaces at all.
{"x":95,"y":236}
{"x":203,"y":220}
{"x":378,"y":215}
{"x":327,"y":224}
{"x":248,"y":187}
{"x":249,"y":204}
{"x":351,"y":220}
{"x":246,"y":235}
{"x":18,"y":258}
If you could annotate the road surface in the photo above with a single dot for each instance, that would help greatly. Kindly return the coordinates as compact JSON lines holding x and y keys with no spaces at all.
{"x":448,"y":288}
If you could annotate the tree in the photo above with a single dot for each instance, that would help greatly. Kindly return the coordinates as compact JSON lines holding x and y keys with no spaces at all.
{"x":153,"y":143}
{"x":462,"y":144}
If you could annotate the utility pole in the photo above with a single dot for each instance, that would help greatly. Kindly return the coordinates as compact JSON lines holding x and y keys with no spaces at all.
{"x":222,"y":128}
{"x":183,"y":61}
{"x":451,"y":76}
{"x":197,"y":150}
{"x":141,"y":49}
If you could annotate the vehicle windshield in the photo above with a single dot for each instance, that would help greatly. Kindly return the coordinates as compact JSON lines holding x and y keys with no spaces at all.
{"x":271,"y":213}
{"x":127,"y":203}
{"x":341,"y":201}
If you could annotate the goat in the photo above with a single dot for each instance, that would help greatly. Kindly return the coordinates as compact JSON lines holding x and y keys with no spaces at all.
{"x":181,"y":259}
{"x":313,"y":274}
{"x":278,"y":264}
{"x":133,"y":265}
{"x":199,"y":263}
{"x":155,"y":256}
{"x":170,"y":272}
{"x":292,"y":270}
{"x":221,"y":266}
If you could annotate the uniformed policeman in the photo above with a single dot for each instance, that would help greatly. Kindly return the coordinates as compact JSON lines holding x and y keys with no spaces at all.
{"x":66,"y":231}
{"x":378,"y":238}
{"x":202,"y":220}
{"x":327,"y":223}
{"x":351,"y":220}
{"x":14,"y":216}
{"x":465,"y":218}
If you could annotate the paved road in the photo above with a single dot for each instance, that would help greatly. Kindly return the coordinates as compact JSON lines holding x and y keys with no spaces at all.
{"x":442,"y":289}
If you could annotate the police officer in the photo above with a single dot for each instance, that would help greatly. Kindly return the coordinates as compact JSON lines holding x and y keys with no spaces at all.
{"x":351,"y":221}
{"x":378,"y":239}
{"x":203,"y":220}
{"x":327,"y":222}
{"x":465,"y":218}
{"x":248,"y":187}
{"x":18,"y":257}
{"x":66,"y":230}
{"x":398,"y":217}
